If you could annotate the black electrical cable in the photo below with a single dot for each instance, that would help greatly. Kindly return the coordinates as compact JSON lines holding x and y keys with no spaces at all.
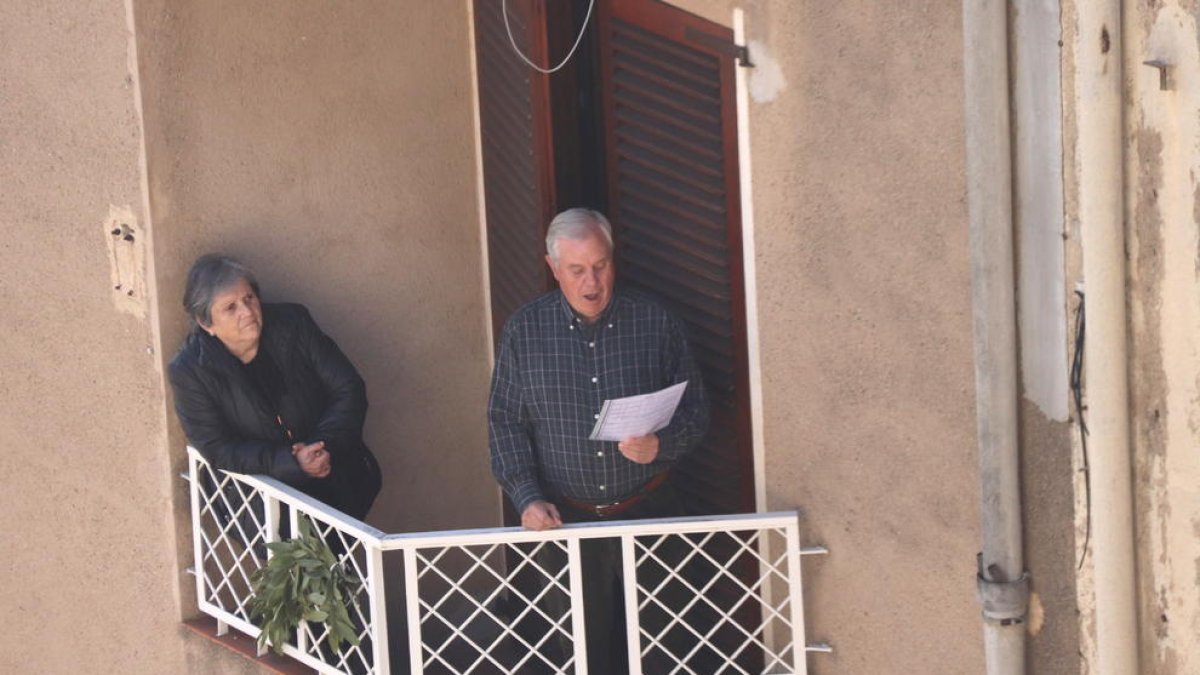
{"x":1077,"y":394}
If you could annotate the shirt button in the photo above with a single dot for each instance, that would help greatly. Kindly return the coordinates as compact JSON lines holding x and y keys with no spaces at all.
{"x":592,"y":344}
{"x":601,"y":487}
{"x":596,"y":416}
{"x":595,"y":379}
{"x":610,"y":325}
{"x":572,"y":326}
{"x":600,"y":453}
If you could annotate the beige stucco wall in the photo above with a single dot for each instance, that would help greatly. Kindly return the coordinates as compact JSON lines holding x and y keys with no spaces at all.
{"x":1045,"y":244}
{"x":864,"y":320}
{"x":1163,"y":203}
{"x":328,"y":144}
{"x":331,"y":146}
{"x":90,"y":579}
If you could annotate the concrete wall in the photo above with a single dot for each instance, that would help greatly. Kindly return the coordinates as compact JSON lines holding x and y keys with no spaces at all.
{"x":330,"y":145}
{"x":857,"y":152}
{"x":90,"y":579}
{"x":1163,"y":206}
{"x":1049,"y":461}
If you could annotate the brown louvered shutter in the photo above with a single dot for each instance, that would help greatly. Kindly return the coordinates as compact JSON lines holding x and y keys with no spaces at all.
{"x":514,"y":120}
{"x":673,"y":199}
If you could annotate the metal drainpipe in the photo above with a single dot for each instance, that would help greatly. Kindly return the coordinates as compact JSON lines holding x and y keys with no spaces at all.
{"x":1002,"y":583}
{"x":1100,"y":148}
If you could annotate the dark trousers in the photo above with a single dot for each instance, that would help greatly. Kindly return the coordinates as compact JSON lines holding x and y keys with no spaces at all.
{"x":603,"y":593}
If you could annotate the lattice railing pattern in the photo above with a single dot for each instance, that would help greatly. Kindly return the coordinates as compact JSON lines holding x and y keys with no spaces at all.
{"x":702,"y":595}
{"x":234,"y":518}
{"x":714,"y":602}
{"x":496,"y":608}
{"x":231,"y":534}
{"x":314,"y":638}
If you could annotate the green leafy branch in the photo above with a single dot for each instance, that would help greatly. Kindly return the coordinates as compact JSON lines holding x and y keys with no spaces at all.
{"x":303,"y":580}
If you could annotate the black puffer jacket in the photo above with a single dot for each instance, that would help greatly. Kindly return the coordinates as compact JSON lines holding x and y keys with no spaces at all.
{"x":235,"y":427}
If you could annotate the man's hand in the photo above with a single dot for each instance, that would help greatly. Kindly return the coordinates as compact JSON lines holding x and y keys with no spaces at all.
{"x":312,"y":458}
{"x":540,"y":515}
{"x":640,"y":449}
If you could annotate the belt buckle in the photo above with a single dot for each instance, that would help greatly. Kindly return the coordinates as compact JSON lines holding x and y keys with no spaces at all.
{"x":603,"y":509}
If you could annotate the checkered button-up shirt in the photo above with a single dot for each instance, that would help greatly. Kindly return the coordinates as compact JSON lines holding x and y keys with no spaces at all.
{"x":553,"y":374}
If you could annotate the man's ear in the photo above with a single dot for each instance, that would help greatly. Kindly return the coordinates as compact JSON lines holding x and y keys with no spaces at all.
{"x":550,"y":263}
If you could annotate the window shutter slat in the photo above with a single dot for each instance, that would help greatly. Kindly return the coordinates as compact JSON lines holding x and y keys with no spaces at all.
{"x":673,"y":199}
{"x":514,"y":118}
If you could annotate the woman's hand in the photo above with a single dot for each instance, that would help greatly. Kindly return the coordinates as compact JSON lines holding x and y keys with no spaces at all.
{"x":312,"y":458}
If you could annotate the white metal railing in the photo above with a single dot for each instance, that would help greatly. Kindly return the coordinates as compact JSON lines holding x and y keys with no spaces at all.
{"x":709,"y":594}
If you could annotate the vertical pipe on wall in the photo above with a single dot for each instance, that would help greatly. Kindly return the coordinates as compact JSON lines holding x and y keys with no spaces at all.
{"x":1002,"y":581}
{"x":1100,"y":166}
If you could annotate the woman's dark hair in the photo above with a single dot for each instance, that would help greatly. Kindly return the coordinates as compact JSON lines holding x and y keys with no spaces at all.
{"x":212,"y":274}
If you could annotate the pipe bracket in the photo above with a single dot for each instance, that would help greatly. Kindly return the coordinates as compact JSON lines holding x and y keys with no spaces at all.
{"x":1003,"y":601}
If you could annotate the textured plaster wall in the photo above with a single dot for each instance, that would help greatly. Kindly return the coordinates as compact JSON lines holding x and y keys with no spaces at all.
{"x":1163,"y":201}
{"x":1036,"y":46}
{"x":864,"y":310}
{"x":1048,"y":473}
{"x":330,"y":146}
{"x":1073,"y":260}
{"x":1048,"y":458}
{"x":88,"y":576}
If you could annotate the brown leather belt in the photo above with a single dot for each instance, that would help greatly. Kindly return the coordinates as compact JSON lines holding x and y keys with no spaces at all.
{"x":617,"y":507}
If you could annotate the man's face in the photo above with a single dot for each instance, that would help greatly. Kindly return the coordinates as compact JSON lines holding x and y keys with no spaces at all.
{"x":585,"y":273}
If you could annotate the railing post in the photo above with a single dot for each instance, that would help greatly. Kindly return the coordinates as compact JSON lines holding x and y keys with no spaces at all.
{"x":799,"y":647}
{"x":578,"y":628}
{"x":378,"y":599}
{"x":632,"y":625}
{"x":767,"y":593}
{"x":271,"y":526}
{"x":197,"y":524}
{"x":412,"y":603}
{"x":270,"y":534}
{"x":302,"y":629}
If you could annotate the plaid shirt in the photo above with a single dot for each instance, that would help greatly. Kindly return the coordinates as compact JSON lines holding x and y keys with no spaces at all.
{"x":554,"y":372}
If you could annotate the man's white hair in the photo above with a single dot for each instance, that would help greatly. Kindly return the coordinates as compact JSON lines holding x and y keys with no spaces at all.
{"x":577,"y":224}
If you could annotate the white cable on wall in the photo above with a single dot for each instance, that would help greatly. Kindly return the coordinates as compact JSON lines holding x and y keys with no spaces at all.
{"x":531,"y":64}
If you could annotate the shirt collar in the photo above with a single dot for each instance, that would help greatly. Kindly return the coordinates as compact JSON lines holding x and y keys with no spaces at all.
{"x":608,"y":316}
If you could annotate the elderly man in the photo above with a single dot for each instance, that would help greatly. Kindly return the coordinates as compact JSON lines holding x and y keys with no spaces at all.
{"x":560,"y":357}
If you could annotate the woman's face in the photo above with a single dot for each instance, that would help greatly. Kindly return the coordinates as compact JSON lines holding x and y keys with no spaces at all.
{"x":237,"y":317}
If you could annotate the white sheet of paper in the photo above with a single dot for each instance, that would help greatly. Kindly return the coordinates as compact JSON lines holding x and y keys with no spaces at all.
{"x":622,"y":418}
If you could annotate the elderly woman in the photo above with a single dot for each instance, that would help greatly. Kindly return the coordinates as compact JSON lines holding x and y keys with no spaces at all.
{"x":260,"y":389}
